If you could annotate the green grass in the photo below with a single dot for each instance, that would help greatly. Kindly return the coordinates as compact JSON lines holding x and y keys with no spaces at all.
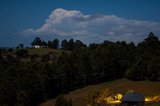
{"x":79,"y":97}
{"x":43,"y":51}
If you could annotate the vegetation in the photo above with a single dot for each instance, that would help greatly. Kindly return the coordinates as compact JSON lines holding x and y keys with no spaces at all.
{"x":48,"y":74}
{"x":88,"y":95}
{"x":43,"y":51}
{"x":62,"y":101}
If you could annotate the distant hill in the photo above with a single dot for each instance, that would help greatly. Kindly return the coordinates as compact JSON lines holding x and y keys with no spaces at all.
{"x":79,"y":97}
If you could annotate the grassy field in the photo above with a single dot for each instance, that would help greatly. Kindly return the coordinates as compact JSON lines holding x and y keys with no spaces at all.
{"x":79,"y":97}
{"x":42,"y":51}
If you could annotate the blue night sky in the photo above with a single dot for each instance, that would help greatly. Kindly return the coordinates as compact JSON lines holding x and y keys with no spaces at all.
{"x":87,"y":20}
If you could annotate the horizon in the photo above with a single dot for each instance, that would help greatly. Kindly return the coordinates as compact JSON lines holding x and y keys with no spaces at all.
{"x":60,"y":42}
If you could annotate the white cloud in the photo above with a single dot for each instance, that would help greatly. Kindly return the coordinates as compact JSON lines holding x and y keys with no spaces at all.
{"x":110,"y":33}
{"x":93,"y":27}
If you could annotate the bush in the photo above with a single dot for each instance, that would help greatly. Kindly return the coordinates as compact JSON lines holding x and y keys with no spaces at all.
{"x":92,"y":96}
{"x":22,"y":53}
{"x":62,"y":101}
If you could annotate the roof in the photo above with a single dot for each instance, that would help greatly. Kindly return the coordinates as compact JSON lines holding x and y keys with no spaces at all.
{"x":134,"y":97}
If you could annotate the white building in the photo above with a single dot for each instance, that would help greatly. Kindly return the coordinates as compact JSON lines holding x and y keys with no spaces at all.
{"x":37,"y":46}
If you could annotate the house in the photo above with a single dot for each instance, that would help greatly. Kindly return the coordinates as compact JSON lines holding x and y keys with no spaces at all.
{"x":37,"y":46}
{"x":133,"y":99}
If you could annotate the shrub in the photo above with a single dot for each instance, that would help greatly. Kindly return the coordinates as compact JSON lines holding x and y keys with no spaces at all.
{"x":62,"y":101}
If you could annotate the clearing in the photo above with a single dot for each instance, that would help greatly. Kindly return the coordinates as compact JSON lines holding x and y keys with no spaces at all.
{"x":79,"y":97}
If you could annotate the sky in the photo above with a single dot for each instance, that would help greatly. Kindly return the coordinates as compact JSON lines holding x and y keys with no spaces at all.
{"x":91,"y":21}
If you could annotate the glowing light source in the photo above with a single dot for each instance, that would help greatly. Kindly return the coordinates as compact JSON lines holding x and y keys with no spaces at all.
{"x":116,"y":99}
{"x":153,"y":99}
{"x":149,"y":99}
{"x":113,"y":99}
{"x":107,"y":97}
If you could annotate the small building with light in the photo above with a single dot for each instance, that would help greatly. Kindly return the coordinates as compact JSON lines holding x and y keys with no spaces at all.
{"x":37,"y":46}
{"x":133,"y":99}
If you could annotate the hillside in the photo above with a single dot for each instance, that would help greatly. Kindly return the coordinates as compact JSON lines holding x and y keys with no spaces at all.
{"x":79,"y":97}
{"x":31,"y":76}
{"x":43,"y":51}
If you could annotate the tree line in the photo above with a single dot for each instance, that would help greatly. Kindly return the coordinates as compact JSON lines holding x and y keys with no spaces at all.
{"x":32,"y":82}
{"x":55,"y":44}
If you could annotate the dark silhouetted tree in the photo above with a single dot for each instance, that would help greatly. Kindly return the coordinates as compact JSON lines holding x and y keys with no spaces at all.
{"x":71,"y":45}
{"x":64,"y":44}
{"x":21,"y":46}
{"x":55,"y":43}
{"x":44,"y":43}
{"x":37,"y":41}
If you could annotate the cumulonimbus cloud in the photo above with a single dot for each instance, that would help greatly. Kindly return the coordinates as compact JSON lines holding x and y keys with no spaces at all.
{"x":74,"y":23}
